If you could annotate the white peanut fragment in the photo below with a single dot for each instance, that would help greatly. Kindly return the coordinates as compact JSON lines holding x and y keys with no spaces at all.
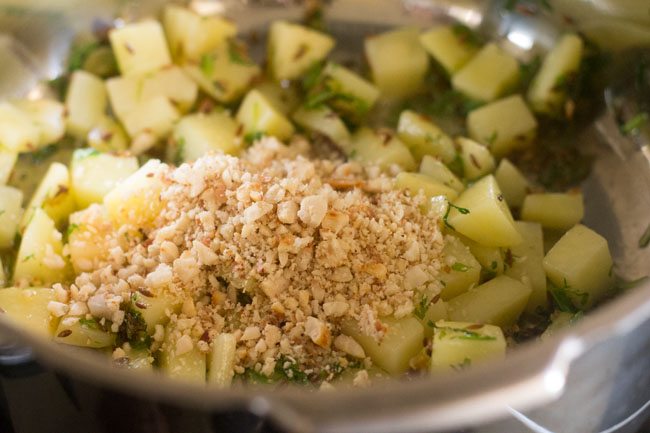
{"x":349,"y":345}
{"x":312,"y":210}
{"x":318,"y":332}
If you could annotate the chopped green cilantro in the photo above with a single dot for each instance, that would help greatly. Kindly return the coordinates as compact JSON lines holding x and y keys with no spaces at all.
{"x":207,"y":65}
{"x":462,"y":334}
{"x":179,"y":153}
{"x":635,"y":123}
{"x":84,"y":153}
{"x":467,"y":35}
{"x":421,"y":308}
{"x":460,"y":267}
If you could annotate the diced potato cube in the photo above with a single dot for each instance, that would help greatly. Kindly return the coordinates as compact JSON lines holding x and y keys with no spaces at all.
{"x":140,"y":47}
{"x":136,"y":201}
{"x":173,"y":83}
{"x":398,"y":63}
{"x":580,"y":264}
{"x":285,"y":99}
{"x":138,"y":359}
{"x":11,"y":210}
{"x":423,"y":137}
{"x":488,"y":75}
{"x":559,"y":321}
{"x":155,"y":309}
{"x":18,"y":131}
{"x":222,"y":360}
{"x":477,"y":159}
{"x":7,"y":161}
{"x":458,"y":345}
{"x":324,"y":121}
{"x":258,"y":115}
{"x":513,"y":184}
{"x":40,"y":258}
{"x":107,"y":136}
{"x":416,"y":182}
{"x":401,"y":342}
{"x":155,"y":117}
{"x":191,"y":35}
{"x":224,"y":73}
{"x":49,"y":117}
{"x":461,"y":271}
{"x":504,"y":125}
{"x":181,"y":358}
{"x":89,"y":238}
{"x":343,"y":90}
{"x":481,"y":206}
{"x":547,"y":91}
{"x":95,"y":174}
{"x":85,"y":103}
{"x":490,"y":258}
{"x":559,"y":211}
{"x":437,"y":310}
{"x":527,"y":264}
{"x":499,"y":302}
{"x":27,"y":308}
{"x":293,"y":49}
{"x":197,"y":134}
{"x":450,"y":49}
{"x":382,"y":149}
{"x":439,"y":171}
{"x":53,"y":195}
{"x":82,"y":332}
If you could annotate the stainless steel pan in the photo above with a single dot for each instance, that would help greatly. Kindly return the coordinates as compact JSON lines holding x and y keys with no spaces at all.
{"x":589,"y":378}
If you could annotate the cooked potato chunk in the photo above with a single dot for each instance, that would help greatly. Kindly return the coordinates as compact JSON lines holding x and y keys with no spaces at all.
{"x":423,"y":137}
{"x":503,"y":126}
{"x":85,"y":103}
{"x":95,"y":174}
{"x":11,"y":210}
{"x":89,"y":238}
{"x":107,"y":136}
{"x":27,"y":308}
{"x":416,"y":182}
{"x":155,"y":309}
{"x":293,"y":49}
{"x":222,"y":360}
{"x":461,"y":270}
{"x":580,"y":266}
{"x":488,"y":75}
{"x":548,"y":90}
{"x":437,"y":310}
{"x":513,"y":184}
{"x":481,"y":206}
{"x":559,"y":211}
{"x":380,"y":148}
{"x":136,"y":200}
{"x":181,"y":358}
{"x":7,"y":162}
{"x":402,"y":341}
{"x":448,"y":47}
{"x":53,"y":195}
{"x":224,"y":73}
{"x":285,"y":99}
{"x":499,"y":302}
{"x":527,"y":264}
{"x":324,"y":121}
{"x":191,"y":35}
{"x":40,"y":258}
{"x":398,"y":63}
{"x":18,"y":131}
{"x":140,"y":47}
{"x":79,"y":331}
{"x":154,"y":118}
{"x":490,"y":258}
{"x":458,"y":345}
{"x":197,"y":134}
{"x":49,"y":117}
{"x":439,"y":171}
{"x":259,"y":116}
{"x":477,"y":159}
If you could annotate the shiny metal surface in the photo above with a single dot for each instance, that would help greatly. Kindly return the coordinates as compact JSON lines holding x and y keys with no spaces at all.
{"x":584,"y":380}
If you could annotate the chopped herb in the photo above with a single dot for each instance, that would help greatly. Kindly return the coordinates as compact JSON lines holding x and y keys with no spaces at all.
{"x":134,"y":330}
{"x":457,"y":166}
{"x":463,"y":365}
{"x":421,"y":308}
{"x":451,"y":103}
{"x":563,"y":297}
{"x":43,"y":154}
{"x":243,"y":298}
{"x":353,"y":153}
{"x":79,"y":54}
{"x":316,"y":100}
{"x":59,"y":85}
{"x":494,"y":265}
{"x":311,"y":77}
{"x":644,"y":240}
{"x":252,"y":137}
{"x":89,"y":323}
{"x":460,"y":267}
{"x":462,"y":210}
{"x":179,"y":153}
{"x":88,"y":152}
{"x":207,"y":65}
{"x":492,"y":139}
{"x":29,"y":257}
{"x":289,"y":371}
{"x":527,"y":71}
{"x":71,"y":228}
{"x":635,"y":123}
{"x":463,"y":334}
